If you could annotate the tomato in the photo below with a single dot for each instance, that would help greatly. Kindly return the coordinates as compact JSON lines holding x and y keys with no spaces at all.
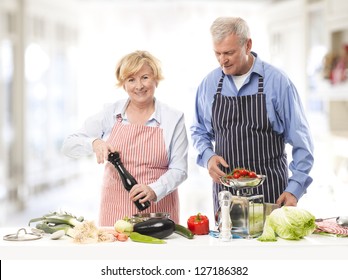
{"x":198,"y":224}
{"x":236,"y":170}
{"x":244,"y":172}
{"x":122,"y":237}
{"x":236,"y":175}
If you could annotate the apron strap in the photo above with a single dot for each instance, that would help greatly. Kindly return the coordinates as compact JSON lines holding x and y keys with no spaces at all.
{"x":219,"y":87}
{"x":119,"y":118}
{"x":260,"y":87}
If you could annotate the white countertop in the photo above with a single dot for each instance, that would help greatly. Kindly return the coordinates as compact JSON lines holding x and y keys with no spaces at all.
{"x":314,"y":247}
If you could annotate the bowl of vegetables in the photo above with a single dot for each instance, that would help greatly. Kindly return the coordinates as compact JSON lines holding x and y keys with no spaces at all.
{"x":242,"y":178}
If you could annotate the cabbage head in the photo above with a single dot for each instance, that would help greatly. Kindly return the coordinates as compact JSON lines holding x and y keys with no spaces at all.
{"x":288,"y":222}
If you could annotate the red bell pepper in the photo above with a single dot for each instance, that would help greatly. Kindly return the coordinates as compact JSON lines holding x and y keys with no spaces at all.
{"x":198,"y":224}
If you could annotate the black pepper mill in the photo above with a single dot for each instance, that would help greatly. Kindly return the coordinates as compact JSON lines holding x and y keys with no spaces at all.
{"x":127,"y":179}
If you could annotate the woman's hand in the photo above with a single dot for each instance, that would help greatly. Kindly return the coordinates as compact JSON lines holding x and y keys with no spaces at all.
{"x":142,"y":192}
{"x":213,"y":167}
{"x":102,"y":150}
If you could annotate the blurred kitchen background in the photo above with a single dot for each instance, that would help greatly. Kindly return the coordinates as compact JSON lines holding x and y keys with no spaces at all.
{"x":57,"y":61}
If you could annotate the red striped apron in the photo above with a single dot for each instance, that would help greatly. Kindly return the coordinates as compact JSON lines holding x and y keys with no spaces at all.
{"x":143,"y":153}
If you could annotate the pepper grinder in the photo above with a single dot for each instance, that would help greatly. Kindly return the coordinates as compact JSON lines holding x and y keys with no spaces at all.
{"x":225,"y":199}
{"x":127,"y":179}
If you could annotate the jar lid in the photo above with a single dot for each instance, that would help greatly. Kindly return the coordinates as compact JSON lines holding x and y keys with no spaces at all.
{"x":23,"y":235}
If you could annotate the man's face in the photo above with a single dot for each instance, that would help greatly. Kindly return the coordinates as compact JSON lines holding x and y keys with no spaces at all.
{"x":232,"y":56}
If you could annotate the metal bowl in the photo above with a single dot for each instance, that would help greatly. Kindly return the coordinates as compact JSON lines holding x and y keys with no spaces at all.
{"x":242,"y":183}
{"x":139,"y":217}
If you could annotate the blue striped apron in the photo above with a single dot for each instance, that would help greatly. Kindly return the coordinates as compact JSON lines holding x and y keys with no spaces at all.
{"x":244,"y":138}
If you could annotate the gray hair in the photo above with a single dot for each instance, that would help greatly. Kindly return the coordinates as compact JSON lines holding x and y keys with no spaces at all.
{"x":224,"y":26}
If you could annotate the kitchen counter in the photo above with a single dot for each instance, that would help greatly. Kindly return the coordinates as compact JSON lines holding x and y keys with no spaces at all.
{"x":313,"y":247}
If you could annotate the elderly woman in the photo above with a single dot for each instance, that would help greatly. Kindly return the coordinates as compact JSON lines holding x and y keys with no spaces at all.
{"x":150,"y":137}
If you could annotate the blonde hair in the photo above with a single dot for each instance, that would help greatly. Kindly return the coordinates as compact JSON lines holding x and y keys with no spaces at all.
{"x":225,"y":26}
{"x":132,"y":63}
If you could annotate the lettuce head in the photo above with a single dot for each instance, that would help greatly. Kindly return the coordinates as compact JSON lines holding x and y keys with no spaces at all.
{"x":288,"y":222}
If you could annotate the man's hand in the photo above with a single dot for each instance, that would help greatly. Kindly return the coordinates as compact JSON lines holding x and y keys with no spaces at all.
{"x":213,"y":168}
{"x":102,"y":150}
{"x":287,"y":199}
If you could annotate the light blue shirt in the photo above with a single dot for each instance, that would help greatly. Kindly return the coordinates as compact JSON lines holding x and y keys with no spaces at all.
{"x":168,"y":119}
{"x":285,"y":113}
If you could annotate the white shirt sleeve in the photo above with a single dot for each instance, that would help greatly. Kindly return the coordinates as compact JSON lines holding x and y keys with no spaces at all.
{"x":175,"y":136}
{"x":98,"y":126}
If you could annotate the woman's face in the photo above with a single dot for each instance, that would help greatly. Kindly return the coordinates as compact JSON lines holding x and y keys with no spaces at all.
{"x":232,"y":56}
{"x":142,"y":85}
